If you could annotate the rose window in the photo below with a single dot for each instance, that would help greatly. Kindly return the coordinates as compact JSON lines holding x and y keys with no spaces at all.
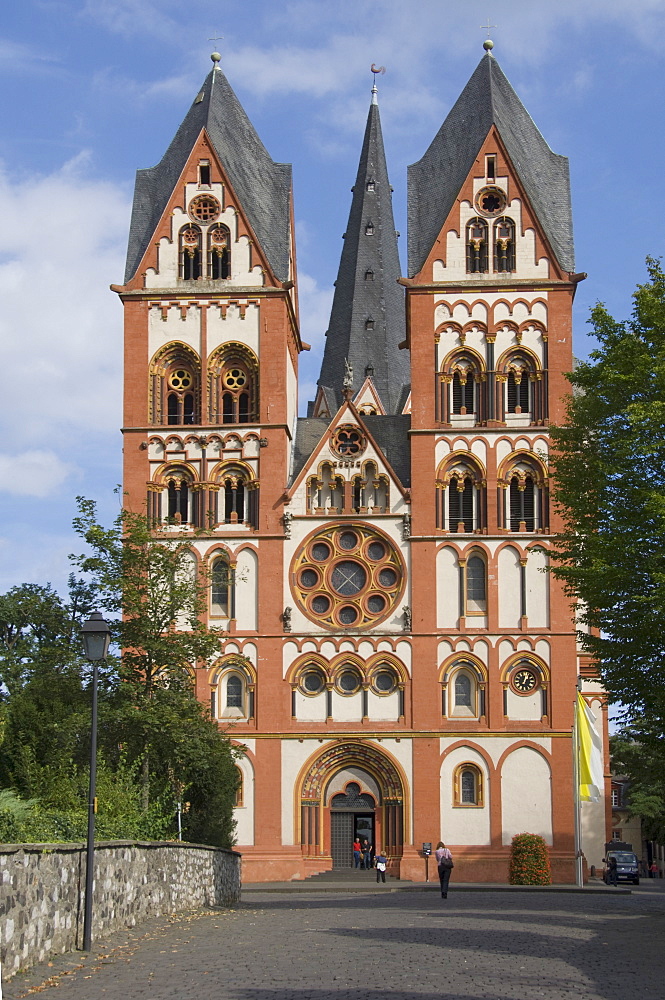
{"x":180,"y":379}
{"x":348,"y":441}
{"x":347,"y":577}
{"x":204,"y":208}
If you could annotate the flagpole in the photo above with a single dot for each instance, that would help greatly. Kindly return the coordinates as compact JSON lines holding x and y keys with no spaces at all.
{"x":579,"y":868}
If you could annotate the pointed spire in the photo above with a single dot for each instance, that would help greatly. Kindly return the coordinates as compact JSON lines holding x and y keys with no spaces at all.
{"x":367,"y":318}
{"x":262,"y":186}
{"x":436,"y":179}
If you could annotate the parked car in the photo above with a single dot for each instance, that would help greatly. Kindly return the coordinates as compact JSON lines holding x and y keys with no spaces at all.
{"x":628,"y":869}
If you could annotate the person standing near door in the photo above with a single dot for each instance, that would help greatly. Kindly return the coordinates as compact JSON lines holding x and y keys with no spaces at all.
{"x":357,"y":854}
{"x":444,"y":860}
{"x":367,"y":853}
{"x":380,"y":860}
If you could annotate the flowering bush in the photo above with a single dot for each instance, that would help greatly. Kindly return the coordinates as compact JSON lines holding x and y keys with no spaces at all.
{"x":529,"y":860}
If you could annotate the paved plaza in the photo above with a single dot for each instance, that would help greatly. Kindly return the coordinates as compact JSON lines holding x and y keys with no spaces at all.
{"x":396,"y":945}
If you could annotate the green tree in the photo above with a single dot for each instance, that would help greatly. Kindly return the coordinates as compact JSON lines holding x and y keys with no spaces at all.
{"x":638,"y":752}
{"x":609,"y":469}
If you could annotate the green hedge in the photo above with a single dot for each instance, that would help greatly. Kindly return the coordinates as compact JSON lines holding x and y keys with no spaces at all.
{"x":529,"y":860}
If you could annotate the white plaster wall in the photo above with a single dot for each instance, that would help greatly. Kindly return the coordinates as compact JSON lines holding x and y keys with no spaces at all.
{"x":495,"y":746}
{"x":347,"y":708}
{"x":246,"y":590}
{"x":185,"y":330}
{"x":463,"y":825}
{"x":447,"y":588}
{"x":537,"y":589}
{"x":526,"y":795}
{"x":593,"y":832}
{"x":311,"y":708}
{"x":233,"y":327}
{"x":509,"y":588}
{"x":383,"y":708}
{"x":524,"y":708}
{"x":244,"y":814}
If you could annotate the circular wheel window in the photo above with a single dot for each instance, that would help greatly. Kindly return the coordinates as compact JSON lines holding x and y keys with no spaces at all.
{"x":491,"y":200}
{"x":312,"y":682}
{"x":348,"y":682}
{"x":384,"y":682}
{"x":348,"y":441}
{"x":347,"y":576}
{"x":204,"y":208}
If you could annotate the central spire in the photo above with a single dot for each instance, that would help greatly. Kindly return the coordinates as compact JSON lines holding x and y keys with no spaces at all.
{"x":367,"y":317}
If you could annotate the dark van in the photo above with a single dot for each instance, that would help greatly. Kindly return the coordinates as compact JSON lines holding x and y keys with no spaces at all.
{"x":627,"y":866}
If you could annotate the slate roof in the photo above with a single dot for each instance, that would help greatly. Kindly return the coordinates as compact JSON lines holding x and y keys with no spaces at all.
{"x":435,"y":180}
{"x":357,"y":299}
{"x":309,"y":431}
{"x":263,"y":187}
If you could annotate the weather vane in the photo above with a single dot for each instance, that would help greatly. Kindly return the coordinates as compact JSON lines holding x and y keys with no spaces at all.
{"x":377,"y":69}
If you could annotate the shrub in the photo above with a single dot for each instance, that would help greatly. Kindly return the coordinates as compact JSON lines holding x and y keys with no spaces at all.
{"x":529,"y":860}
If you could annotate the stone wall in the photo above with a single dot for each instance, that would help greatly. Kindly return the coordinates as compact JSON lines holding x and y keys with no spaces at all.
{"x":42,"y":891}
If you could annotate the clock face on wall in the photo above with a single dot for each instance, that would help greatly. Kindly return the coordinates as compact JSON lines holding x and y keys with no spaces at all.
{"x":348,"y":576}
{"x":524,"y":681}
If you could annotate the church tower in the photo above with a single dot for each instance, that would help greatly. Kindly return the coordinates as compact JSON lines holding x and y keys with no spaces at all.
{"x":398,"y":663}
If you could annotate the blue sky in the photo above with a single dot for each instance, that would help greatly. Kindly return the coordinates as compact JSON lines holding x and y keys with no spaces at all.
{"x":94,"y":89}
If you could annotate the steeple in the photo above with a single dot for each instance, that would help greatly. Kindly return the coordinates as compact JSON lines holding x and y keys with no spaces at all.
{"x":435,"y":180}
{"x":262,"y":186}
{"x":367,"y":318}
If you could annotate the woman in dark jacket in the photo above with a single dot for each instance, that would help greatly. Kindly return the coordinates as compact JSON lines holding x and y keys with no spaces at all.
{"x":444,"y":860}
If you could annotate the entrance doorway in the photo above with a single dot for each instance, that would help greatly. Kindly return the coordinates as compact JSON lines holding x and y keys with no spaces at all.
{"x":348,"y":822}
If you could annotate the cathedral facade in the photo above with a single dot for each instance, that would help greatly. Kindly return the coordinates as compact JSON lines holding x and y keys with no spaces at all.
{"x":398,"y":663}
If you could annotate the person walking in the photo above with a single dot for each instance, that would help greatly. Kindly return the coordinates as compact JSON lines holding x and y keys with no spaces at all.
{"x":380,"y":860}
{"x":356,"y":853}
{"x":444,"y":860}
{"x":612,"y":873}
{"x":653,"y":869}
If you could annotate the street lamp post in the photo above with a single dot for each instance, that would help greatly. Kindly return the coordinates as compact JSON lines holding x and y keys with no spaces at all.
{"x":96,"y":637}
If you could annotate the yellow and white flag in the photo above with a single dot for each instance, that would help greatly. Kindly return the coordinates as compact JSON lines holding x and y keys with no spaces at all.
{"x":591,"y":753}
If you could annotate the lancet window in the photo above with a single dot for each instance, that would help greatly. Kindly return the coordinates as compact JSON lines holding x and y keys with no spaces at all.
{"x":475,"y":585}
{"x":504,"y":244}
{"x":460,"y":506}
{"x":178,"y":488}
{"x":370,"y":491}
{"x":222,"y":588}
{"x":233,"y":377}
{"x":476,"y":246}
{"x":175,"y":387}
{"x":526,"y":496}
{"x":189,"y":252}
{"x":219,"y":253}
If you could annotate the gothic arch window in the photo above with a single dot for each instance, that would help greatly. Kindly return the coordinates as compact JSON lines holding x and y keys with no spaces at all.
{"x":179,"y":508}
{"x":526,"y":496}
{"x":222,"y":589}
{"x":504,"y":244}
{"x":175,"y":387}
{"x":522,"y":503}
{"x":468,"y":785}
{"x":236,"y":496}
{"x":189,"y":252}
{"x":325,"y":491}
{"x":219,"y":252}
{"x":233,"y":389}
{"x":476,"y":246}
{"x":370,"y":491}
{"x":461,"y":501}
{"x":520,"y":378}
{"x":475,"y":585}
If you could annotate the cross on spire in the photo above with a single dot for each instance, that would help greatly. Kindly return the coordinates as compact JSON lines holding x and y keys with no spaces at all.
{"x":488,"y":26}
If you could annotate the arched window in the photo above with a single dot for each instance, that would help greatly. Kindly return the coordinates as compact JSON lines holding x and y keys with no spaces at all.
{"x":464,"y":390}
{"x":178,"y":493}
{"x":233,"y":386}
{"x":504,"y":244}
{"x":219,"y":253}
{"x":460,"y":499}
{"x":462,"y":690}
{"x":221,"y":589}
{"x":519,"y":391}
{"x":370,"y":491}
{"x":476,"y":586}
{"x":468,"y":785}
{"x":234,"y":482}
{"x":476,"y":246}
{"x":461,"y":504}
{"x":234,"y":692}
{"x":190,"y":253}
{"x":175,"y":386}
{"x":523,"y":503}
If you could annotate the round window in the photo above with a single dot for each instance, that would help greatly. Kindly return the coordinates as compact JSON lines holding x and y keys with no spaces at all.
{"x":320,"y":604}
{"x":376,"y":603}
{"x":309,"y":578}
{"x":312,"y":682}
{"x":376,"y":550}
{"x":348,"y":615}
{"x":180,"y":379}
{"x":491,"y":200}
{"x":320,"y":551}
{"x":349,"y":681}
{"x":348,"y":441}
{"x":347,"y":540}
{"x":204,"y":208}
{"x":348,"y":578}
{"x":388,"y":577}
{"x":235,"y":378}
{"x":384,"y":681}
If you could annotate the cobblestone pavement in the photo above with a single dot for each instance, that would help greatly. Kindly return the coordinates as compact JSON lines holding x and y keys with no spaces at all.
{"x":472,"y":946}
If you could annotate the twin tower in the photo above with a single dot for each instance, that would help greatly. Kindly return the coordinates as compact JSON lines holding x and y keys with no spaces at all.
{"x":398,"y":664}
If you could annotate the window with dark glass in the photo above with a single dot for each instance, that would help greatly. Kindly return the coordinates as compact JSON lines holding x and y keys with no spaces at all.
{"x":462,"y":691}
{"x":463,"y":391}
{"x":461,"y":505}
{"x":504,"y":245}
{"x":476,"y":246}
{"x":519,"y":385}
{"x":190,"y":253}
{"x":468,"y":787}
{"x":522,"y":504}
{"x":220,"y":588}
{"x":234,"y":692}
{"x":476,"y":585}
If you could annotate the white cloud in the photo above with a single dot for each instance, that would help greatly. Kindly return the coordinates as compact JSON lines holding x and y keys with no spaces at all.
{"x":33,"y":473}
{"x":60,"y":326}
